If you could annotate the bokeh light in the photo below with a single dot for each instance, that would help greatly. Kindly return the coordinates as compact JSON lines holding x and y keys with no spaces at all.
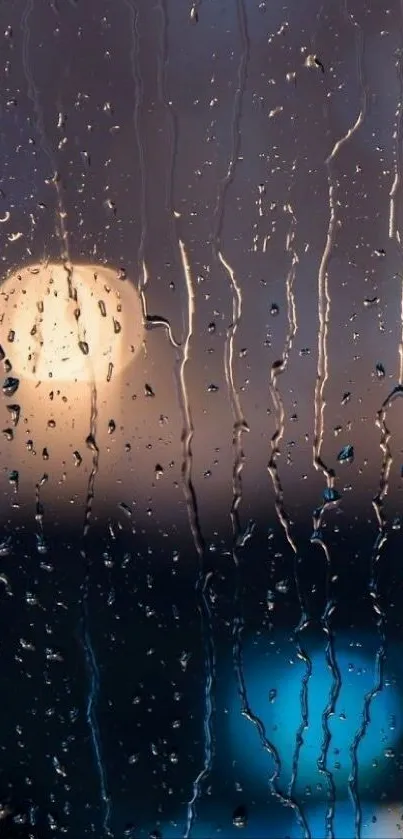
{"x":274,"y":695}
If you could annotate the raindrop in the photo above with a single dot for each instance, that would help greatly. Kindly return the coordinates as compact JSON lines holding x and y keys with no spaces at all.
{"x":5,"y":546}
{"x":240,"y":817}
{"x":314,"y":61}
{"x":11,"y":336}
{"x":346,"y":397}
{"x":85,"y":158}
{"x":2,"y":353}
{"x":10,"y":386}
{"x":380,"y":370}
{"x":13,"y":478}
{"x":102,"y":308}
{"x":116,"y":326}
{"x":158,"y":471}
{"x":371,"y":301}
{"x":212,"y":327}
{"x":8,"y":433}
{"x":84,"y":347}
{"x":77,"y":458}
{"x":91,"y":444}
{"x":212,"y":388}
{"x":111,"y":426}
{"x":346,"y":455}
{"x":274,"y":309}
{"x":148,"y":390}
{"x":330,"y":495}
{"x":14,"y":411}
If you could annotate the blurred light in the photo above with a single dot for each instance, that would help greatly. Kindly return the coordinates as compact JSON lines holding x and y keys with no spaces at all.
{"x":67,"y":340}
{"x":274,"y":695}
{"x":377,"y":822}
{"x":69,"y":326}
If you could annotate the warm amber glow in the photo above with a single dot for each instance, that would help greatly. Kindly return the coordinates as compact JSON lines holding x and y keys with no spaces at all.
{"x":49,"y":335}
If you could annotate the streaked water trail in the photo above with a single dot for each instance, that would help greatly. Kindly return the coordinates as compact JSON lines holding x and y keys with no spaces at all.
{"x":330,"y":494}
{"x":199,"y":543}
{"x":278,"y":367}
{"x":387,"y":460}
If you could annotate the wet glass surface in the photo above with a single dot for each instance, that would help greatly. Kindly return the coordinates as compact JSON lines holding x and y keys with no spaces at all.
{"x":201,"y":340}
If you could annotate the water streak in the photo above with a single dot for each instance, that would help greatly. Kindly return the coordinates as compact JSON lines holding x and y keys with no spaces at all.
{"x":138,"y":97}
{"x":384,"y":477}
{"x":375,"y":594}
{"x":199,"y":543}
{"x":278,"y":367}
{"x":91,"y":714}
{"x":324,"y":309}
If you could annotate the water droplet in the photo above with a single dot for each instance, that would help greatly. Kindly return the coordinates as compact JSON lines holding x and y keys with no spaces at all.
{"x":158,"y":471}
{"x":211,"y":327}
{"x":5,"y":546}
{"x":14,"y":411}
{"x":91,"y":444}
{"x":346,"y":455}
{"x":274,"y":309}
{"x":380,"y":370}
{"x":85,"y":157}
{"x":213,"y":388}
{"x":102,"y":308}
{"x":77,"y":458}
{"x":116,"y":326}
{"x":84,"y":347}
{"x":330,"y":495}
{"x":8,"y":433}
{"x":11,"y":336}
{"x":111,"y":426}
{"x":148,"y":390}
{"x":240,"y":816}
{"x":13,"y":477}
{"x":2,"y":353}
{"x":272,"y":695}
{"x":371,"y":301}
{"x":346,"y":397}
{"x":10,"y":386}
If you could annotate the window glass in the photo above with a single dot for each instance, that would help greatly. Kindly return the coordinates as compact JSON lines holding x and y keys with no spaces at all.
{"x":202,"y":357}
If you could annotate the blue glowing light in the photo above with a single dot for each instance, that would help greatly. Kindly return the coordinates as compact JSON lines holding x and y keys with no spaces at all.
{"x":274,"y":682}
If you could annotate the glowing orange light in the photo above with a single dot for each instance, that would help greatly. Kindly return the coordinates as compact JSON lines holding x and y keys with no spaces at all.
{"x":69,"y":326}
